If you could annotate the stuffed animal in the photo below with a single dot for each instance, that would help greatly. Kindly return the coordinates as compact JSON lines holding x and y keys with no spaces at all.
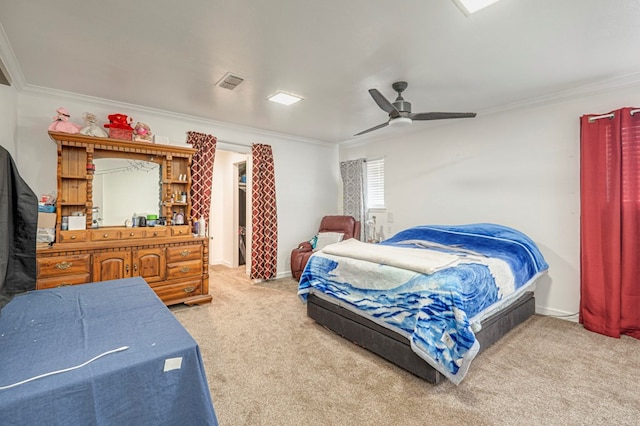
{"x":91,"y":127}
{"x":61,"y":122}
{"x":120,"y":127}
{"x":142,"y":132}
{"x":119,"y":121}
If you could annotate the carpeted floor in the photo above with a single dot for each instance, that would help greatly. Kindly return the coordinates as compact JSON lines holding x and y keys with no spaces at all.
{"x":268,"y":364}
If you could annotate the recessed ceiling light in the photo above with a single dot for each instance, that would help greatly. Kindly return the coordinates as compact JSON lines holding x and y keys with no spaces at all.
{"x":471,"y":6}
{"x":284,"y":98}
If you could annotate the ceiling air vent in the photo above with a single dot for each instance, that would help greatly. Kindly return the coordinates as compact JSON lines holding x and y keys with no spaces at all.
{"x":230,"y":81}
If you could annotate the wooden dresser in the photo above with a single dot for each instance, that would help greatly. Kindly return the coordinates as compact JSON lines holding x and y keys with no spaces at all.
{"x":170,"y":259}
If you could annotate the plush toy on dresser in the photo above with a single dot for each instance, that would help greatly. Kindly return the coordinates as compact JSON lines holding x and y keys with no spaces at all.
{"x":142,"y":132}
{"x":120,"y":126}
{"x":61,"y":122}
{"x":91,"y":127}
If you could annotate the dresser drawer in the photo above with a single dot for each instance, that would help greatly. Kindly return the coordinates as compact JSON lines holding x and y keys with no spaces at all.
{"x":74,"y":236}
{"x":63,"y":265}
{"x":157,"y":231}
{"x":132,"y":233}
{"x":175,"y":292}
{"x":105,"y":235}
{"x":182,"y":253}
{"x":184,"y":269}
{"x":180,"y":230}
{"x":62,"y":281}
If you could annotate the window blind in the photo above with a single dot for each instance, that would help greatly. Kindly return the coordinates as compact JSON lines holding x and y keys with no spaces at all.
{"x":375,"y":183}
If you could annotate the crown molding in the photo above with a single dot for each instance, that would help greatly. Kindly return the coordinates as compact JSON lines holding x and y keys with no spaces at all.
{"x":109,"y":103}
{"x":589,"y":89}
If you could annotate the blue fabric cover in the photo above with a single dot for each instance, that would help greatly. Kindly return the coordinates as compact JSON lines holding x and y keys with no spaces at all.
{"x":433,"y":311}
{"x":49,"y":330}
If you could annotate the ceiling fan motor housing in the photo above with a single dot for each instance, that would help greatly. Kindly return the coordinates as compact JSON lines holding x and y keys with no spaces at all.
{"x":402,"y":105}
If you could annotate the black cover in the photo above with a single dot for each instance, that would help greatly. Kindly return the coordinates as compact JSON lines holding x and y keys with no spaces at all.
{"x":18,"y":229}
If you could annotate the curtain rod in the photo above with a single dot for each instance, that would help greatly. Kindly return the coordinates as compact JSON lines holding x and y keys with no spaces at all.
{"x":598,"y":117}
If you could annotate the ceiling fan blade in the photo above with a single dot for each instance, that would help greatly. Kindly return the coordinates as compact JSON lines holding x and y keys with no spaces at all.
{"x":384,"y":103}
{"x":379,"y":126}
{"x":440,"y":115}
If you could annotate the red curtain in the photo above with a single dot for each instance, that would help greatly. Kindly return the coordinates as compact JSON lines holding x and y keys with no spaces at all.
{"x":610,"y":223}
{"x":201,"y":173}
{"x":264,"y":240}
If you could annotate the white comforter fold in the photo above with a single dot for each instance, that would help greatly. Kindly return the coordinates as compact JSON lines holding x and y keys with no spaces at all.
{"x":424,"y":261}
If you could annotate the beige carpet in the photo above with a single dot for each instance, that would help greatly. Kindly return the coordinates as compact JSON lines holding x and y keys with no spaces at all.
{"x":268,"y":364}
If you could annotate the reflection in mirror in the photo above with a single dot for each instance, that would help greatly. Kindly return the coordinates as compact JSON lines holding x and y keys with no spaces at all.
{"x":122,"y":187}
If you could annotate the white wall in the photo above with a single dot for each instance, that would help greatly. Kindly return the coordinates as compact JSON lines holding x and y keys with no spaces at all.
{"x":307,"y":178}
{"x":518,"y":167}
{"x":8,"y":119}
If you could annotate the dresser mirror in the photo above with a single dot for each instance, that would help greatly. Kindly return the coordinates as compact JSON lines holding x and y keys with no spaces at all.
{"x":124,"y":186}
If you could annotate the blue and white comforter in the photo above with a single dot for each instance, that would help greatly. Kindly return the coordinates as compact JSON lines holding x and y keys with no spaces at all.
{"x":432,"y":284}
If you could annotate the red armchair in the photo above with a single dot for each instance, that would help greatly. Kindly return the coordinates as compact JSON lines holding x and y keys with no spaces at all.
{"x":346,"y":225}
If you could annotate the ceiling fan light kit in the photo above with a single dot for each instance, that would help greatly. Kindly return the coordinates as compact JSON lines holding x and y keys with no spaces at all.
{"x":400,"y":111}
{"x":400,"y":122}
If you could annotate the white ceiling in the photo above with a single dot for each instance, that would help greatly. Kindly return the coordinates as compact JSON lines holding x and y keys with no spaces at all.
{"x":169,"y":55}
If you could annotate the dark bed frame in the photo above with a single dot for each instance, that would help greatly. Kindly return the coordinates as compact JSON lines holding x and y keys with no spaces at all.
{"x":396,"y":348}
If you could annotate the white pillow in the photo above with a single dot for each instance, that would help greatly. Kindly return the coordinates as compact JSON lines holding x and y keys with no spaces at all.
{"x":326,"y":238}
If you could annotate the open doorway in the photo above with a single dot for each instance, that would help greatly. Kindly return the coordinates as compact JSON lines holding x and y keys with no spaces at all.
{"x":230,"y":243}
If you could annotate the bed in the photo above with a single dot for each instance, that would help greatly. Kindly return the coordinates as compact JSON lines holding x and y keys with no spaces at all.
{"x":428,"y":299}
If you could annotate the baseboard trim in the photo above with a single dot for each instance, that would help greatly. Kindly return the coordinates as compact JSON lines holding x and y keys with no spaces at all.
{"x":557,"y":313}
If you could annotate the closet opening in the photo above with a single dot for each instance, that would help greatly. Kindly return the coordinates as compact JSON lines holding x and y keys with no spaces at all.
{"x":241,"y":211}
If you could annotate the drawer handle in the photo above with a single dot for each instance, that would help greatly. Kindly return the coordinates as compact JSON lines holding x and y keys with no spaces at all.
{"x":132,"y":234}
{"x":64,"y":265}
{"x":184,"y":269}
{"x":185,"y":253}
{"x":73,"y":237}
{"x":105,"y":235}
{"x":180,"y":231}
{"x":63,"y":284}
{"x":155,"y":234}
{"x":189,"y":289}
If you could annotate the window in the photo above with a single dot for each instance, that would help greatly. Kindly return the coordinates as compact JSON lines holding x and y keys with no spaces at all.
{"x":375,"y":183}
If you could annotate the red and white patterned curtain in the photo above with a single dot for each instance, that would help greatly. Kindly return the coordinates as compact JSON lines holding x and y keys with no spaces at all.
{"x":201,"y":173}
{"x":264,"y":240}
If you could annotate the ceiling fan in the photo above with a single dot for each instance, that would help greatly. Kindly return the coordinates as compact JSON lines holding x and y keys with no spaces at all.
{"x":400,"y":110}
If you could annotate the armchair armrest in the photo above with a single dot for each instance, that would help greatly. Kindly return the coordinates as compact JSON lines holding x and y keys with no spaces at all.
{"x":304,"y":246}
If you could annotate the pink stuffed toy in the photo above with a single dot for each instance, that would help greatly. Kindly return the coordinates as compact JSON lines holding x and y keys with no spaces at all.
{"x":61,"y":122}
{"x":142,"y":132}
